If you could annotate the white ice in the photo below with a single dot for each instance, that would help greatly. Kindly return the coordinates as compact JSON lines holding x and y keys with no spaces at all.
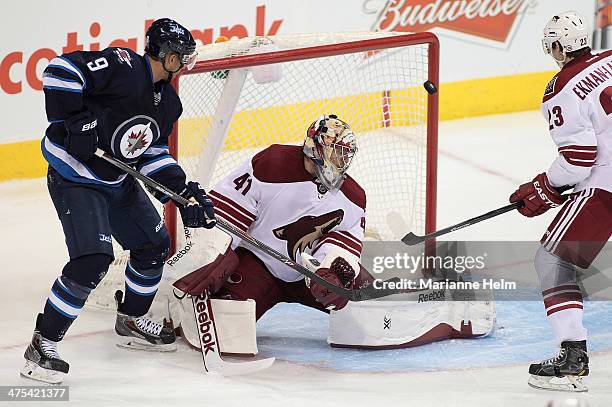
{"x":481,"y":162}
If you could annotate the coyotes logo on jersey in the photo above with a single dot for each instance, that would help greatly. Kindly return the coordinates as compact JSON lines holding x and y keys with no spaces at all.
{"x":304,"y":231}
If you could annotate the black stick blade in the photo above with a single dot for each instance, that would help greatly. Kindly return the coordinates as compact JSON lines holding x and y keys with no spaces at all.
{"x":411,"y":239}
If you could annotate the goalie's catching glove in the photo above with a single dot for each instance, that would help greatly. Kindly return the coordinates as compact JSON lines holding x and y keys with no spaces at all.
{"x":538,"y":196}
{"x":199,"y":213}
{"x":340,"y":274}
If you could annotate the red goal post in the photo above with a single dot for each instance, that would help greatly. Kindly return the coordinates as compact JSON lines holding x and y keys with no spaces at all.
{"x":371,"y":45}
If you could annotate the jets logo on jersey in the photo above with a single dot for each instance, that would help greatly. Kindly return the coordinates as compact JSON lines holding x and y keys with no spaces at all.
{"x":124,"y":57}
{"x":304,"y":231}
{"x":132,"y":137}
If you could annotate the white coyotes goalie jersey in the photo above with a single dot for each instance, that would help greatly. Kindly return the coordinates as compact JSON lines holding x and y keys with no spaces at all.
{"x":275,"y":200}
{"x":578,"y":106}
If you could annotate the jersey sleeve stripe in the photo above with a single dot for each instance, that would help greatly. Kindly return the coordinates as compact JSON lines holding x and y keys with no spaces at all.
{"x":231,"y":211}
{"x":62,"y":73}
{"x":157,"y":165}
{"x":584,"y":149}
{"x":562,"y":298}
{"x":69,"y":66}
{"x":582,"y":156}
{"x":561,"y":288}
{"x":237,"y":207}
{"x":53,"y":82}
{"x":229,"y":218}
{"x":349,"y":236}
{"x":329,"y":240}
{"x":355,"y":244}
{"x":157,"y":150}
{"x":562,"y":307}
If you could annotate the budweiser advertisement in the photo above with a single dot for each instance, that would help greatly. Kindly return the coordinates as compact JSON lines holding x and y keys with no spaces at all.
{"x":491,"y":22}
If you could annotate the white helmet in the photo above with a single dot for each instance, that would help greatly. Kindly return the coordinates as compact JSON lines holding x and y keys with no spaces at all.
{"x":570,"y":29}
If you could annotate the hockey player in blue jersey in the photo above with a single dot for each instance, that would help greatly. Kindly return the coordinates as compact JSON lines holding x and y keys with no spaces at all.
{"x":122,"y":103}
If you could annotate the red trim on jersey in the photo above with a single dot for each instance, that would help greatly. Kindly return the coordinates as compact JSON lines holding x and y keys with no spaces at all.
{"x":233,"y":204}
{"x":280,"y":163}
{"x":562,"y":298}
{"x":349,"y":236}
{"x":353,"y":191}
{"x":563,"y":307}
{"x":340,"y":239}
{"x":229,"y":218}
{"x":230,"y":214}
{"x":571,"y":70}
{"x":560,"y":288}
{"x":582,"y":156}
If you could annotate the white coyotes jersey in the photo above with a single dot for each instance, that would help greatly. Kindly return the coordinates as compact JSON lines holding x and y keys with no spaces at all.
{"x":275,"y":200}
{"x":578,"y":106}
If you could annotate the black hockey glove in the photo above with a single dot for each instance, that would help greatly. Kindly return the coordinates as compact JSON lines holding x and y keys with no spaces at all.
{"x":198,"y":214}
{"x":82,"y":137}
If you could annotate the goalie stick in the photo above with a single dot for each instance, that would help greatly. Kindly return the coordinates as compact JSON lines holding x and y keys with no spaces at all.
{"x":411,"y":239}
{"x":209,"y":342}
{"x":361,"y":294}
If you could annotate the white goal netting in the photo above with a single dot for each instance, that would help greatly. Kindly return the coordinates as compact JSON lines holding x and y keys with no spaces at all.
{"x":249,"y":93}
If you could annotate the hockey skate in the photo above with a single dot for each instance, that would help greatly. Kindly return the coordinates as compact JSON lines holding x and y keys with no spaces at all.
{"x":142,"y":333}
{"x":563,"y":372}
{"x":43,"y":363}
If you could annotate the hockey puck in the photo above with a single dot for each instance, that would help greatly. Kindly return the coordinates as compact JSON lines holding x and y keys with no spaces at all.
{"x":430,"y":87}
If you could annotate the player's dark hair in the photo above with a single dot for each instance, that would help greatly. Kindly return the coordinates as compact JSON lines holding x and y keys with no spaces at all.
{"x":579,"y":52}
{"x":574,"y":54}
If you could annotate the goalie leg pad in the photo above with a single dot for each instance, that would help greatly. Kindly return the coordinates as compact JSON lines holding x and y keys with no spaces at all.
{"x":400,"y":324}
{"x":234,"y":321}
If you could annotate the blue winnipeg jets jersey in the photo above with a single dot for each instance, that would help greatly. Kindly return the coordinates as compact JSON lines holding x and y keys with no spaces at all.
{"x":134,"y":115}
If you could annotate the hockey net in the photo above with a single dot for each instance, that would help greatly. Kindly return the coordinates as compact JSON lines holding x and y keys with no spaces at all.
{"x":246,"y":94}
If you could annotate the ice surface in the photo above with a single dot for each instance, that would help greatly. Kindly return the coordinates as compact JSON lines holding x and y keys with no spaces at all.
{"x":481,"y":162}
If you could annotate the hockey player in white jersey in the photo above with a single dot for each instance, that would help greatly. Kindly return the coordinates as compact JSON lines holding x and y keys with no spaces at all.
{"x":578,"y":106}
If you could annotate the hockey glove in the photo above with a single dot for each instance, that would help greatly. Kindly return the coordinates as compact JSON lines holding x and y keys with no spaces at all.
{"x":81,"y":135}
{"x":199,"y":213}
{"x":341,"y":274}
{"x":538,"y":196}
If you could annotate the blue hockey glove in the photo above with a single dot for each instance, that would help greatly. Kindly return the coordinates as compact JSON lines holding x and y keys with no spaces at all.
{"x":82,"y":137}
{"x":198,"y":214}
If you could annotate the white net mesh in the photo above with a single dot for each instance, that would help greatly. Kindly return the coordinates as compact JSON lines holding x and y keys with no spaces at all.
{"x":230,"y":115}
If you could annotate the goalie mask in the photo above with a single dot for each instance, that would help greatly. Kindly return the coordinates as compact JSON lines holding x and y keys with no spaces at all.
{"x":331,"y":145}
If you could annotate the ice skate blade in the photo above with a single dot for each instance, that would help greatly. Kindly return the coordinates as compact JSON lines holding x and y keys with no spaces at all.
{"x":32,"y":371}
{"x":572,"y":384}
{"x":142,"y":345}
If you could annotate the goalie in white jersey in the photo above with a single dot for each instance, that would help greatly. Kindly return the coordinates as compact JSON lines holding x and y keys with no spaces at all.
{"x":296,"y":199}
{"x":578,"y":106}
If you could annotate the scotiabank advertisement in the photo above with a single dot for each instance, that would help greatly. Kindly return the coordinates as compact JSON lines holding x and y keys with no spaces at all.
{"x":479,"y":38}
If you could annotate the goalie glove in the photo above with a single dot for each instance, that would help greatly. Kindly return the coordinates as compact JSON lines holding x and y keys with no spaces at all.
{"x":340,"y":273}
{"x":538,"y":196}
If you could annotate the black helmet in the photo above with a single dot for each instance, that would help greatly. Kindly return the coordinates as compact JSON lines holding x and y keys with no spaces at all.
{"x":166,"y":35}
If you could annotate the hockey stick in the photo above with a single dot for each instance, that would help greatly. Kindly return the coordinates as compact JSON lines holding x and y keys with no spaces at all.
{"x":411,"y":239}
{"x":209,"y":343}
{"x":362,"y":294}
